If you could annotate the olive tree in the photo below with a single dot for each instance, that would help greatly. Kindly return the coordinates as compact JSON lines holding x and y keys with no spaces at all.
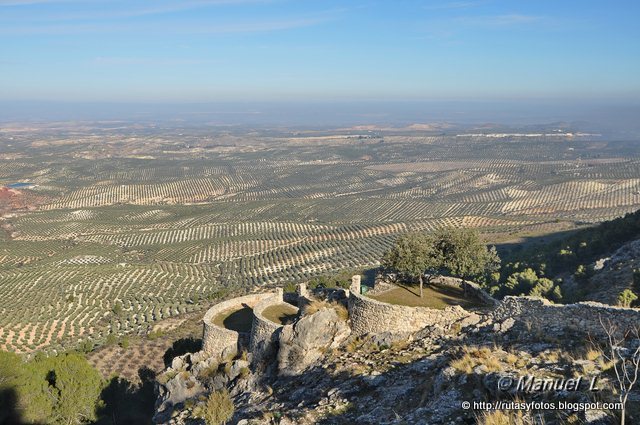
{"x":412,"y":255}
{"x":448,"y":251}
{"x":463,"y":254}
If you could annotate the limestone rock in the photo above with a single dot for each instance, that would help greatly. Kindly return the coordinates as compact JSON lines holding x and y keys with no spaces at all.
{"x":180,"y":388}
{"x":596,"y":417}
{"x":238,"y":367}
{"x":303,"y":343}
{"x":387,"y":339}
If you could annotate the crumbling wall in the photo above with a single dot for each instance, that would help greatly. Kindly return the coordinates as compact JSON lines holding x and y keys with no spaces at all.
{"x":585,"y":316}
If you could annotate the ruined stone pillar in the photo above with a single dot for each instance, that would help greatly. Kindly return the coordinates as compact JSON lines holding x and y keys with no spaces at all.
{"x":355,"y":284}
{"x":301,"y":289}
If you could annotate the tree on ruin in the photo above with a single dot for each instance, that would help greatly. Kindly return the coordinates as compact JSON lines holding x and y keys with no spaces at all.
{"x":463,"y":254}
{"x":412,"y":256}
{"x":448,"y":251}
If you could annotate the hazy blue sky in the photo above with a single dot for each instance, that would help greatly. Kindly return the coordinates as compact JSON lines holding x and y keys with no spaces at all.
{"x":221,"y":50}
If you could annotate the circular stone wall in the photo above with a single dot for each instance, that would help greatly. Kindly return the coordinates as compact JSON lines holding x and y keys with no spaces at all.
{"x":264,"y":332}
{"x":372,"y":316}
{"x":218,"y":340}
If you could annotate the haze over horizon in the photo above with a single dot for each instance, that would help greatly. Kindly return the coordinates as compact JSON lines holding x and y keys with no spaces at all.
{"x":610,"y":119}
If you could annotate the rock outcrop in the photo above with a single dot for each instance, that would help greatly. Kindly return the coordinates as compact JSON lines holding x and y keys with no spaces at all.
{"x":303,"y":343}
{"x":324,"y":373}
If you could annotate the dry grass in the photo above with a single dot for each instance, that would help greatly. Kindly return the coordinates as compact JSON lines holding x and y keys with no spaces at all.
{"x":593,"y":354}
{"x":167,"y":376}
{"x":517,"y":417}
{"x":500,"y":417}
{"x":316,"y":306}
{"x":210,"y":371}
{"x":473,"y":357}
{"x":557,"y":356}
{"x":605,"y":365}
{"x":342,"y":311}
{"x":550,"y":356}
{"x":219,"y":408}
{"x":354,"y":344}
{"x":511,"y":358}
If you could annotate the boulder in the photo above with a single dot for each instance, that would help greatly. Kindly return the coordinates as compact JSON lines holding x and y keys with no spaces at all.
{"x":303,"y":343}
{"x":179,"y":389}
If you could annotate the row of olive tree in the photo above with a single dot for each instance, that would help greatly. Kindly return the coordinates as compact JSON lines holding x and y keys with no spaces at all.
{"x":447,"y":251}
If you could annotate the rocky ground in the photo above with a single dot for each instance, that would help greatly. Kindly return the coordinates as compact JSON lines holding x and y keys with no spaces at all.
{"x":615,"y":273}
{"x":335,"y":378}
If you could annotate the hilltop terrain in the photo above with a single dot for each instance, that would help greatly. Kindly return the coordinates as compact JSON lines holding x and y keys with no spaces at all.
{"x":326,"y":370}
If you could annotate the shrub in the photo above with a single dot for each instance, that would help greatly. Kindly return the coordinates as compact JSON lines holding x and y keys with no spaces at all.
{"x":476,"y":356}
{"x":210,"y":371}
{"x":86,"y":346}
{"x":219,"y":408}
{"x":556,"y":294}
{"x":152,"y":336}
{"x":244,"y":372}
{"x":289,"y":287}
{"x":316,"y":306}
{"x":57,"y":389}
{"x":583,"y":273}
{"x":117,"y":308}
{"x":542,"y":288}
{"x":111,"y":339}
{"x":626,"y":298}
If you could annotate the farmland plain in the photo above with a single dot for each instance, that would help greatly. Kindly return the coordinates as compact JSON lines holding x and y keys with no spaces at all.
{"x":108,"y":229}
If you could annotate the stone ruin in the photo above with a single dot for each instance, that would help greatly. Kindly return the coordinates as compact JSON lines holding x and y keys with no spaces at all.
{"x":369,"y":316}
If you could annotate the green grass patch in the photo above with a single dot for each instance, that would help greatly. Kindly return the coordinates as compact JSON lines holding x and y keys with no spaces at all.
{"x":238,"y":320}
{"x":434,"y":297}
{"x":281,"y":314}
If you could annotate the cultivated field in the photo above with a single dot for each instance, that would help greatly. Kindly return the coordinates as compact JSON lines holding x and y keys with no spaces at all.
{"x":119,"y":229}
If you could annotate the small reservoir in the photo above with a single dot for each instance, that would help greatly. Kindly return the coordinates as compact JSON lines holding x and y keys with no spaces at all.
{"x":20,"y":185}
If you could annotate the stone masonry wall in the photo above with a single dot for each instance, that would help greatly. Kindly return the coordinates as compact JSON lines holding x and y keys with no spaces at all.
{"x":553,"y":318}
{"x":371,"y":316}
{"x":264,"y":332}
{"x":367,"y":315}
{"x":471,"y":288}
{"x":217,"y":340}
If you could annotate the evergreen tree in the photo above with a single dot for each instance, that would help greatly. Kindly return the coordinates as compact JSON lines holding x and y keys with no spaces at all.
{"x":413,"y":255}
